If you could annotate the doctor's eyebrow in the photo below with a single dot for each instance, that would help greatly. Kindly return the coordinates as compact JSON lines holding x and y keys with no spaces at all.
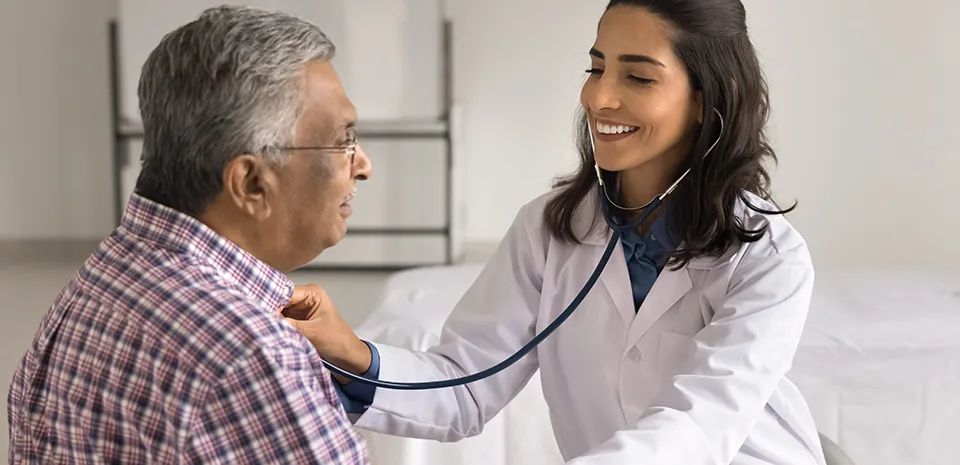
{"x":631,"y":58}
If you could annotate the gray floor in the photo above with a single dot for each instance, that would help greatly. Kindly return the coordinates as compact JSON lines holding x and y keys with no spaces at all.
{"x":28,"y":287}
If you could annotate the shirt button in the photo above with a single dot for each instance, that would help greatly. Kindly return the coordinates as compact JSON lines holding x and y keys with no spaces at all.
{"x":634,"y":354}
{"x":653,"y":236}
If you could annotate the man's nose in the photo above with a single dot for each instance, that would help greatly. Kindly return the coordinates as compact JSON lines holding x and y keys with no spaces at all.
{"x":362,"y":166}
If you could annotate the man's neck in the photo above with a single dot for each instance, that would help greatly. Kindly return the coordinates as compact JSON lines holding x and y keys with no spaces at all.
{"x":236,"y":230}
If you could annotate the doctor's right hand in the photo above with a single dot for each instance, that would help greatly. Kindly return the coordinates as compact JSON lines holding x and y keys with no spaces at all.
{"x":312,"y":314}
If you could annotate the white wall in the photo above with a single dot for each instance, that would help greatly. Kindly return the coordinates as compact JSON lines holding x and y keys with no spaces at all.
{"x":388,"y":51}
{"x":54,"y":119}
{"x":865,"y":117}
{"x":871,"y":94}
{"x":518,"y":68}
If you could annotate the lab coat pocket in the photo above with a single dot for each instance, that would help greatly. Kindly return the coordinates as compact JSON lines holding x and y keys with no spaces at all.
{"x":674,"y":349}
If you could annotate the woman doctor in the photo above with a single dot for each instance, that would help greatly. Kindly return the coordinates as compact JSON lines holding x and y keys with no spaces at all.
{"x":679,"y":354}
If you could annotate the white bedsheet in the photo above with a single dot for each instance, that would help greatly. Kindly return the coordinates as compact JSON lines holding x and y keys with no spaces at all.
{"x":879,"y":364}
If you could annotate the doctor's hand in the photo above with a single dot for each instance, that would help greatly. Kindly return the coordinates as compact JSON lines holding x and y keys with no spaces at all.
{"x":311,"y":313}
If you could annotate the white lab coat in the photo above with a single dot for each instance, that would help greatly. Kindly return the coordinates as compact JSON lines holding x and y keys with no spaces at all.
{"x":695,"y":377}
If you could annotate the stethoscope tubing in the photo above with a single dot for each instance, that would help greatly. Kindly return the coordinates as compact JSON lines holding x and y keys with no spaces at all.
{"x":540,"y":337}
{"x":617,"y":231}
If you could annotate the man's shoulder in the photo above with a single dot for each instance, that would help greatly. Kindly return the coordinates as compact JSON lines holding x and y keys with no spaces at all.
{"x":229,"y":326}
{"x":183,"y":303}
{"x":238,"y":330}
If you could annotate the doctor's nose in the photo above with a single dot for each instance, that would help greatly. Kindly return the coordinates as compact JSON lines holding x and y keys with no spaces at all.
{"x":604,"y":94}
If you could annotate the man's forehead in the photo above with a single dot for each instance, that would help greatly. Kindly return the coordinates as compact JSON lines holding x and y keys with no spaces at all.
{"x":327,"y":108}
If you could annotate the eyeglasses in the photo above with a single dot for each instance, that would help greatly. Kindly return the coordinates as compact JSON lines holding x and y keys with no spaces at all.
{"x":350,"y":150}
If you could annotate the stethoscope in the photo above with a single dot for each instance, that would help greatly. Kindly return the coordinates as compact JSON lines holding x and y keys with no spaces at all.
{"x":618,"y":231}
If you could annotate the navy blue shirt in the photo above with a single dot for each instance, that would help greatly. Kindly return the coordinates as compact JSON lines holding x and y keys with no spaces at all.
{"x":354,"y":396}
{"x":647,"y":255}
{"x":645,"y":258}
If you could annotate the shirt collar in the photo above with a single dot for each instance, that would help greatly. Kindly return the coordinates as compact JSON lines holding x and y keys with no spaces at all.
{"x":660,"y":231}
{"x":181,"y":233}
{"x":589,"y":225}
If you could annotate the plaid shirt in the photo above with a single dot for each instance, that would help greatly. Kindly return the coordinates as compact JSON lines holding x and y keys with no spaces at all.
{"x":166,"y":348}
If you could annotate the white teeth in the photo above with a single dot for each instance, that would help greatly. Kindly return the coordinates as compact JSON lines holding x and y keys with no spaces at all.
{"x":606,"y":129}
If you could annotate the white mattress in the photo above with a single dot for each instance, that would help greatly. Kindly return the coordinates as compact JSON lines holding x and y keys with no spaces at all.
{"x":879,"y":364}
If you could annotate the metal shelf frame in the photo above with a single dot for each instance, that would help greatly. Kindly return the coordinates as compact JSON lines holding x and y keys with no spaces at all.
{"x":124,"y":131}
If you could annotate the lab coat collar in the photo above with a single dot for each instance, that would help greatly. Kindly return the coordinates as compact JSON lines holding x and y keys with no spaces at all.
{"x":709,"y":263}
{"x":671,"y":286}
{"x":667,"y":290}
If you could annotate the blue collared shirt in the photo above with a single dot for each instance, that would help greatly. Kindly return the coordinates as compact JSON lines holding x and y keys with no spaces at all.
{"x":645,"y":258}
{"x":647,"y":255}
{"x":355,"y":396}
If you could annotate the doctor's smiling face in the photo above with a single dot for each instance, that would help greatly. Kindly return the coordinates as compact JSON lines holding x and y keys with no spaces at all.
{"x":671,"y":82}
{"x":641,"y":106}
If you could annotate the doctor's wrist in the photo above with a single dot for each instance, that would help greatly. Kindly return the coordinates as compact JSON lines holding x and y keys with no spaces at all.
{"x":356,"y":358}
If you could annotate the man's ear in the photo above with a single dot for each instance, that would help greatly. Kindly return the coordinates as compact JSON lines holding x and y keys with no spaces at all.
{"x":248,"y":182}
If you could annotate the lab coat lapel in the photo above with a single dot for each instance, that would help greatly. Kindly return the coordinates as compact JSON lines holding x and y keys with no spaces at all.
{"x":666,"y":291}
{"x":616,"y":279}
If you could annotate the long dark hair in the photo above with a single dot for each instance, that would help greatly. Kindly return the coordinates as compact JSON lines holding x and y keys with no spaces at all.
{"x":711,"y":41}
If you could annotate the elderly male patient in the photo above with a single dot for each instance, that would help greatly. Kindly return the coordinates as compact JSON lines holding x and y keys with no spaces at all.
{"x":167,"y":346}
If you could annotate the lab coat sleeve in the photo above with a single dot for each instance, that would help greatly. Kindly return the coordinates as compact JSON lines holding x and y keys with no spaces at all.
{"x":704,"y":413}
{"x":495,"y":317}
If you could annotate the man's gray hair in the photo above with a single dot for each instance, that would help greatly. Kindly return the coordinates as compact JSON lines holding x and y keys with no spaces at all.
{"x":226,"y":84}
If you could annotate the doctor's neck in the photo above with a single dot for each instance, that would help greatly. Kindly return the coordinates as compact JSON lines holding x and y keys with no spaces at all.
{"x":638,"y":187}
{"x":640,"y":184}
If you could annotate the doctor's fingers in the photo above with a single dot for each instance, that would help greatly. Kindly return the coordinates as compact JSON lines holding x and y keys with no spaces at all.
{"x":295,"y":324}
{"x":300,"y":311}
{"x":309,"y":295}
{"x":308,"y":302}
{"x":331,"y":341}
{"x":317,"y":332}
